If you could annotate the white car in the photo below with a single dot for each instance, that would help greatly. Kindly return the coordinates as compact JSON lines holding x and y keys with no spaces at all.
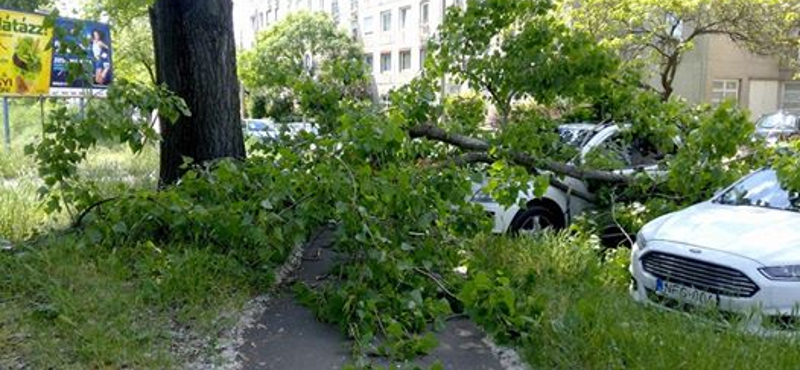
{"x":571,"y":196}
{"x":268,"y":130}
{"x":738,"y":253}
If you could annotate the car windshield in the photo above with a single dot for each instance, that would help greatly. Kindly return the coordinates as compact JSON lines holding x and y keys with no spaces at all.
{"x":574,"y":136}
{"x":776,"y":121}
{"x":762,"y":189}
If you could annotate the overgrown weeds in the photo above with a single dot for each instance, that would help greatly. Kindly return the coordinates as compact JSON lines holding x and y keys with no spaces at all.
{"x":576,"y":313}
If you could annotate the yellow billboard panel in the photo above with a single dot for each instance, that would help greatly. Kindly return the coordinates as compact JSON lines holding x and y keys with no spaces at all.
{"x":25,"y":54}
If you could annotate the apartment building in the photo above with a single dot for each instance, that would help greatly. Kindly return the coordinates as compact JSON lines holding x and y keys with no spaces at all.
{"x":394,"y":32}
{"x":718,"y":69}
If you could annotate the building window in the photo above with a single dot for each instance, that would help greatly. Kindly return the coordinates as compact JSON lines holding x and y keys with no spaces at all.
{"x":791,"y":97}
{"x":386,"y":21}
{"x":423,"y":12}
{"x":322,"y":5}
{"x":422,"y":56}
{"x":405,"y":60}
{"x":335,"y":10}
{"x":368,"y":62}
{"x":367,"y":25}
{"x":723,"y":90}
{"x":404,"y":16}
{"x":386,"y":62}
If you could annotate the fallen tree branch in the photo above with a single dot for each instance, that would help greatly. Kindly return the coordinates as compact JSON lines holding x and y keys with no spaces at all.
{"x":482,"y":157}
{"x":477,"y":153}
{"x":79,"y":220}
{"x":437,"y":281}
{"x":432,"y":132}
{"x":470,"y":158}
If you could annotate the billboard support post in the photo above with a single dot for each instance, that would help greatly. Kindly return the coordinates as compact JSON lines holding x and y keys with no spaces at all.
{"x":6,"y":125}
{"x":41,"y":110}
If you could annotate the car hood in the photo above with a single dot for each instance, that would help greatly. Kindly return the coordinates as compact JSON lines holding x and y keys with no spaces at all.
{"x":765,"y":235}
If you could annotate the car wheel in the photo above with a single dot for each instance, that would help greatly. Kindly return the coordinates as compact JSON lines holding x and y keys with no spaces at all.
{"x":613,"y":237}
{"x":533,"y":220}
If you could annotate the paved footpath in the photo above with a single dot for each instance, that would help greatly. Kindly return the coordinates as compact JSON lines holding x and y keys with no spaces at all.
{"x":287,"y":336}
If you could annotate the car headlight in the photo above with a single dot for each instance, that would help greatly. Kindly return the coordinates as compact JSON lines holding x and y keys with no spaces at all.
{"x":641,"y":241}
{"x":784,"y":273}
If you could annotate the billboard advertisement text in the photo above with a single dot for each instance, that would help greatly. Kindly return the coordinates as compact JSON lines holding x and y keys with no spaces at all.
{"x":25,"y":55}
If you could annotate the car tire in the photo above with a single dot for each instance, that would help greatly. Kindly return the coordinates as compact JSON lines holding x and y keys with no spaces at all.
{"x":613,"y":237}
{"x":534,"y":219}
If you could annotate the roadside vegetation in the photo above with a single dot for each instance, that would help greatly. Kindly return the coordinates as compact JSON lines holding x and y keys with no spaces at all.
{"x":104,"y":265}
{"x":68,"y":301}
{"x":565,"y":307}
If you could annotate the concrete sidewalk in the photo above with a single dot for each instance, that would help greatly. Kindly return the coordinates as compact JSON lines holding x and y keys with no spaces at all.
{"x":287,"y":336}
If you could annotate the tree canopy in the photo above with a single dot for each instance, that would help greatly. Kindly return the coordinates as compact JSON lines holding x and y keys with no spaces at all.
{"x":516,"y":50}
{"x":661,"y":32}
{"x":307,"y":59}
{"x":27,"y":5}
{"x":133,"y":46}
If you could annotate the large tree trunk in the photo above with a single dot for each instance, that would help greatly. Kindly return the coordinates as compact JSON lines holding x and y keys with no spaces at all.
{"x":196,"y":58}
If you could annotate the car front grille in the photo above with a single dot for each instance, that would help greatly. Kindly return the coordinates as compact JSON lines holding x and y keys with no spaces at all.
{"x":700,"y":275}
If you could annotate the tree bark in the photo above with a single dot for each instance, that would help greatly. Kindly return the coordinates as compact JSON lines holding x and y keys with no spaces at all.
{"x":668,"y":75}
{"x":196,"y":58}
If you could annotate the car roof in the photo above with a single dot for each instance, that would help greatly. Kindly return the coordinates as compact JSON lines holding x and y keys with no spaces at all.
{"x":579,"y":126}
{"x":588,"y":126}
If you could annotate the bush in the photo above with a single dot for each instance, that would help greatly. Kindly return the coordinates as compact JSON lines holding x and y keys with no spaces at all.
{"x":465,"y":113}
{"x":273,"y":105}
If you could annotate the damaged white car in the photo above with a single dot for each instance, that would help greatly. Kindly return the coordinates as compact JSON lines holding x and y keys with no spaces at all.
{"x":567,"y":197}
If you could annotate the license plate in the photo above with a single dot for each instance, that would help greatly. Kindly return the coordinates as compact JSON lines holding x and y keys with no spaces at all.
{"x":686,"y":294}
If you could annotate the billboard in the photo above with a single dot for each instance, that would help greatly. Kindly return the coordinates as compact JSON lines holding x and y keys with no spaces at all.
{"x":25,"y":54}
{"x":82,"y":58}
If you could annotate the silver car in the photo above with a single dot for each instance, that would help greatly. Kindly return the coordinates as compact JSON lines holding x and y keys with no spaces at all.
{"x":777,"y":126}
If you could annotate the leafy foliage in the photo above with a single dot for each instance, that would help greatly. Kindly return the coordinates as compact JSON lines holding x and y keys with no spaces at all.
{"x":68,"y":136}
{"x":27,"y":5}
{"x":398,"y":231}
{"x":517,"y":50}
{"x":464,"y":113}
{"x":662,"y":32}
{"x":306,"y":59}
{"x":403,"y":223}
{"x":133,"y":51}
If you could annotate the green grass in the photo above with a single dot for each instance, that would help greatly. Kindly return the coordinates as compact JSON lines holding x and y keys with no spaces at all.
{"x":587,"y":320}
{"x":26,"y":125}
{"x":81,"y":307}
{"x":67,"y":304}
{"x":20,"y":211}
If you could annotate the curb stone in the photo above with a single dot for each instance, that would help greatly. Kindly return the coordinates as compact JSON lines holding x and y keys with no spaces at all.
{"x":225,"y":355}
{"x":509,"y":357}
